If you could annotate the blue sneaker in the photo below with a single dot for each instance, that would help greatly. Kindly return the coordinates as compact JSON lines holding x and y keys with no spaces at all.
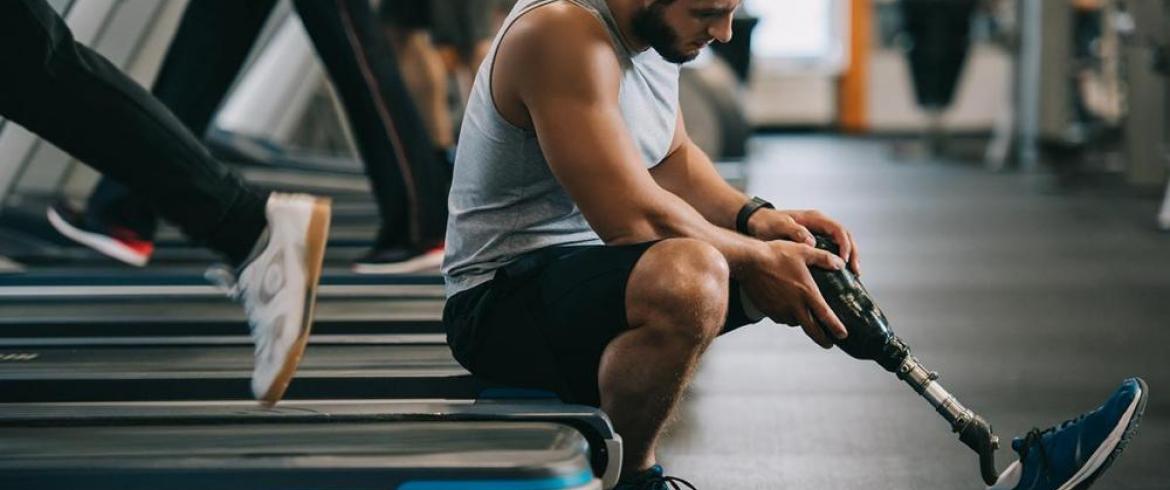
{"x":1075,"y":453}
{"x":653,"y":479}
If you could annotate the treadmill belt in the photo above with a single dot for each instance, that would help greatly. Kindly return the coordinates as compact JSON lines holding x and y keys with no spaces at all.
{"x":54,"y":283}
{"x":7,"y":266}
{"x":195,"y":317}
{"x":402,"y":455}
{"x":198,"y":372}
{"x":344,"y":234}
{"x":182,"y":275}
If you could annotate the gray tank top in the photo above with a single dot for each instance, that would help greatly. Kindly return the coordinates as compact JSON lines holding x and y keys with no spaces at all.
{"x":504,"y":200}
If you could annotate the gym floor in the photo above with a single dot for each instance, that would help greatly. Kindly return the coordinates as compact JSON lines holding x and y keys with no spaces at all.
{"x":1031,"y":299}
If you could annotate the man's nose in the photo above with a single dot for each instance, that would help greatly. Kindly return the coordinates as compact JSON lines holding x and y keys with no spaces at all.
{"x":720,"y":30}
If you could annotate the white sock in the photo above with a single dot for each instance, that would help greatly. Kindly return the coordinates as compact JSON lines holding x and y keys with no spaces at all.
{"x":1009,"y":478}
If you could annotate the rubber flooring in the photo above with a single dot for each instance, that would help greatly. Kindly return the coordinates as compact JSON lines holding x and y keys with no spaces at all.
{"x":1031,"y":299}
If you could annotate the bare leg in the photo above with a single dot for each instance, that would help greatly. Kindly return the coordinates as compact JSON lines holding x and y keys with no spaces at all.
{"x":474,"y":59}
{"x":426,"y":78}
{"x":478,"y":54}
{"x":676,"y":303}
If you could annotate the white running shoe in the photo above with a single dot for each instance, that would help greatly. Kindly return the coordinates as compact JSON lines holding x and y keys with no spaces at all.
{"x":279,"y":286}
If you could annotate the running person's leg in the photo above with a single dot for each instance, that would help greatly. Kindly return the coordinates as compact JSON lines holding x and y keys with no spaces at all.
{"x":465,"y":28}
{"x":73,"y":97}
{"x":409,"y":183}
{"x":620,"y":327}
{"x":409,"y":186}
{"x":116,"y":222}
{"x":76,"y":99}
{"x":209,"y":47}
{"x":407,"y":24}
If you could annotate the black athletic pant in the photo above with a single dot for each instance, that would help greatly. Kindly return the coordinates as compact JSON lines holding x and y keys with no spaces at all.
{"x":212,"y":43}
{"x":79,"y":101}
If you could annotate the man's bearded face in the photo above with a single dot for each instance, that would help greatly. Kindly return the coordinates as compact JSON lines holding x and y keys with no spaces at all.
{"x":651,"y":26}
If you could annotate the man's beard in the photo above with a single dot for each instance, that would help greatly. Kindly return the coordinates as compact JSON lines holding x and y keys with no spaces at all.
{"x":650,"y":26}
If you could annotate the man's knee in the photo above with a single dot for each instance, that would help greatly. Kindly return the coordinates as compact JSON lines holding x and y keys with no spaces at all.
{"x":680,"y":285}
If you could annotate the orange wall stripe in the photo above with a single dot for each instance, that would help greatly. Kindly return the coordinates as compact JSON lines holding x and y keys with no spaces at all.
{"x":853,"y":86}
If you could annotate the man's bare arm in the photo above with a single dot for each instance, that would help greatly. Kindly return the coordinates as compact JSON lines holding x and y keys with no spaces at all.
{"x":557,"y":73}
{"x":566,"y":75}
{"x":690,"y":174}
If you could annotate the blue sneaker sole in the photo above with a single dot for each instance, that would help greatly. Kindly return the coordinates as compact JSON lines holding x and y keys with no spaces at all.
{"x":1126,"y":436}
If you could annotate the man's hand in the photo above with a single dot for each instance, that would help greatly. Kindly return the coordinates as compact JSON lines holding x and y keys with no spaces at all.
{"x":799,"y":226}
{"x":782,"y":287}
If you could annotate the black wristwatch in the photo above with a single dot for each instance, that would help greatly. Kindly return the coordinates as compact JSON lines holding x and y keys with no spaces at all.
{"x":748,"y":209}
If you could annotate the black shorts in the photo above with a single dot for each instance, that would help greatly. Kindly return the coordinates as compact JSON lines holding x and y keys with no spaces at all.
{"x":544,"y":320}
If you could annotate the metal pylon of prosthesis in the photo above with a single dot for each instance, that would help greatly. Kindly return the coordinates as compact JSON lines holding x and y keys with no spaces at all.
{"x":870,"y":338}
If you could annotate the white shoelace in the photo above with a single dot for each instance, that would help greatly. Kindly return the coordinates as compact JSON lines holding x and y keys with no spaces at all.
{"x":222,"y":277}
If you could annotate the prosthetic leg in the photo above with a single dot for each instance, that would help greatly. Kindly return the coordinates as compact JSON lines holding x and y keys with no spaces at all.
{"x":870,"y":338}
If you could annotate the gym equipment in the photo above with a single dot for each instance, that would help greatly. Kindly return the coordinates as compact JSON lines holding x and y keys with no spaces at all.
{"x":361,"y":455}
{"x":30,"y":238}
{"x":605,"y":446}
{"x":709,"y":100}
{"x":116,"y":31}
{"x":194,"y":317}
{"x":27,"y":236}
{"x":1147,"y":129}
{"x":938,"y":33}
{"x":738,"y":52}
{"x":9,"y":267}
{"x":870,"y":338}
{"x":254,"y":151}
{"x":33,"y":174}
{"x":65,"y":372}
{"x":190,"y":282}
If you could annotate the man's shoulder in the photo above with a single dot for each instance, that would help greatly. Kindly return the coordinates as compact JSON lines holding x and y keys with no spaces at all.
{"x":559,"y":29}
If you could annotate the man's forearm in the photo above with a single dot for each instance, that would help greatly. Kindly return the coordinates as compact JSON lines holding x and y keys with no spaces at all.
{"x":717,"y":201}
{"x":666,"y":215}
{"x":691,"y":176}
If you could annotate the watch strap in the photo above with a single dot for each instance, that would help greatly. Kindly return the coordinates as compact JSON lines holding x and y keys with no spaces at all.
{"x":746,"y":212}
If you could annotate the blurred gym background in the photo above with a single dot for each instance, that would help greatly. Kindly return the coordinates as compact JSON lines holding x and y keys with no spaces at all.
{"x":1058,"y":88}
{"x":1002,"y":164}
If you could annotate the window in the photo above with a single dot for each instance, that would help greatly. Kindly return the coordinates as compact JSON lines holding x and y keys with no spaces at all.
{"x":805,"y":32}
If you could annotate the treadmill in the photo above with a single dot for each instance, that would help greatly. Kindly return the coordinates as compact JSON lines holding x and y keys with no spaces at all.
{"x":354,"y":455}
{"x":82,"y":372}
{"x":29,"y":238}
{"x":179,"y":281}
{"x":60,"y":269}
{"x":7,"y":266}
{"x":98,"y":461}
{"x":114,"y":317}
{"x":604,"y":445}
